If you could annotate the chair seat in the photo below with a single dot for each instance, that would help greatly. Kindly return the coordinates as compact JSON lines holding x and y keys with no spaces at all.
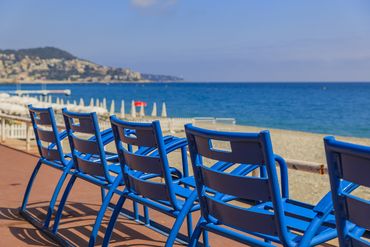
{"x":181,"y":192}
{"x":115,"y":168}
{"x":298,"y":218}
{"x":299,"y":210}
{"x":56,"y":163}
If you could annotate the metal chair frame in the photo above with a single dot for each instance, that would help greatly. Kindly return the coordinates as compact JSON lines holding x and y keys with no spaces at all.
{"x":51,"y":155}
{"x":351,"y":163}
{"x":140,"y":170}
{"x":274,"y":217}
{"x":91,"y":164}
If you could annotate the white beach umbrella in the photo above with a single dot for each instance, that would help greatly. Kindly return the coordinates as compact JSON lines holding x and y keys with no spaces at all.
{"x":97,"y":104}
{"x":122,"y":108}
{"x":142,"y":111}
{"x":164,"y":110}
{"x":112,"y":108}
{"x":133,"y":109}
{"x":104,"y":103}
{"x":154,"y":111}
{"x":91,"y":102}
{"x":82,"y":103}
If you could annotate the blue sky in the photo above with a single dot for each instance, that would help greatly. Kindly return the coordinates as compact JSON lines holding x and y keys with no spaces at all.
{"x":202,"y":40}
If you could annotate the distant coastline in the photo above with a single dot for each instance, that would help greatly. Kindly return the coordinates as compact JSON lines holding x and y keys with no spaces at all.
{"x":53,"y":65}
{"x":2,"y":81}
{"x":70,"y":82}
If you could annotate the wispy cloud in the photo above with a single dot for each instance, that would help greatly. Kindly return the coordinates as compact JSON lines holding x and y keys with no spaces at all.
{"x":144,"y":4}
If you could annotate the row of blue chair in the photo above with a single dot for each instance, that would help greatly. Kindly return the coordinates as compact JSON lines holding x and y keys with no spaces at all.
{"x":88,"y":160}
{"x":233,"y":201}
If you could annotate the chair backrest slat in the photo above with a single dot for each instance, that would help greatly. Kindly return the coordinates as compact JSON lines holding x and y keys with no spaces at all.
{"x":89,"y":167}
{"x":50,"y":154}
{"x":85,"y":146}
{"x":242,"y":150}
{"x":84,"y":125}
{"x":355,"y":169}
{"x":42,"y":117}
{"x":45,"y":129}
{"x":46,"y":135}
{"x":241,"y":218}
{"x":351,"y":163}
{"x":358,"y":211}
{"x":143,"y":136}
{"x":243,"y":187}
{"x":143,"y":163}
{"x":153,"y":190}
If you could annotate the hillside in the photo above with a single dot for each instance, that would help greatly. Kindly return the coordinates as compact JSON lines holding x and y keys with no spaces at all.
{"x":53,"y":64}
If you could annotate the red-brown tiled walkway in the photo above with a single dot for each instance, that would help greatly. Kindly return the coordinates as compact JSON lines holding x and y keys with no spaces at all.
{"x":15,"y":169}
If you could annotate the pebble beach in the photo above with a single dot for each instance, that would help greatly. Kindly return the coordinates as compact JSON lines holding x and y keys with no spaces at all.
{"x":305,"y":186}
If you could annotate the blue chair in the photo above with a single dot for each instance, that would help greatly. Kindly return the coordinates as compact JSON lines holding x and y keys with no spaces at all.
{"x":258,"y":212}
{"x":92,"y":163}
{"x":351,"y":163}
{"x":48,"y":140}
{"x":149,"y":179}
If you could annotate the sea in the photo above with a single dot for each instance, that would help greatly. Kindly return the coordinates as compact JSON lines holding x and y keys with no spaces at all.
{"x":329,"y":108}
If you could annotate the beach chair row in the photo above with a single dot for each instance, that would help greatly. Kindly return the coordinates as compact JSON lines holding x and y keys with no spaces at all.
{"x":236,"y":185}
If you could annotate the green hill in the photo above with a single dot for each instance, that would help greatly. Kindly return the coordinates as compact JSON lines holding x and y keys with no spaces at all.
{"x":53,"y":64}
{"x":41,"y":52}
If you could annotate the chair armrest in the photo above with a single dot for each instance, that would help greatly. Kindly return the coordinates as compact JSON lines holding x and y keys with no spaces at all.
{"x":325,"y":205}
{"x":284,"y":176}
{"x":107,"y":136}
{"x":63,"y":134}
{"x":176,"y":144}
{"x":112,"y":157}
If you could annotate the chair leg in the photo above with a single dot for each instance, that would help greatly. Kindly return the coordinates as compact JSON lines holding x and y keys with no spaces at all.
{"x":146,"y":215}
{"x":196,"y":234}
{"x":113,"y":219}
{"x":189,"y":222}
{"x":29,"y":186}
{"x":205,"y":238}
{"x":180,"y":218}
{"x":55,"y":196}
{"x":102,"y":210}
{"x":58,"y":215}
{"x":136,"y":211}
{"x":102,"y":193}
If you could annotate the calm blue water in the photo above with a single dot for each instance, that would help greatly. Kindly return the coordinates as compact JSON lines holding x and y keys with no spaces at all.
{"x":334,"y":108}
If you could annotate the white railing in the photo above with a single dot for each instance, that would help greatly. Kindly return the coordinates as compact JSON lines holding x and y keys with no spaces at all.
{"x":16,"y":131}
{"x":6,"y":132}
{"x":212,"y":120}
{"x":171,"y":125}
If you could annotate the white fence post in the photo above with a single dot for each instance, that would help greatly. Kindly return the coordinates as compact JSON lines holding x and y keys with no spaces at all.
{"x":2,"y":129}
{"x":28,"y":138}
